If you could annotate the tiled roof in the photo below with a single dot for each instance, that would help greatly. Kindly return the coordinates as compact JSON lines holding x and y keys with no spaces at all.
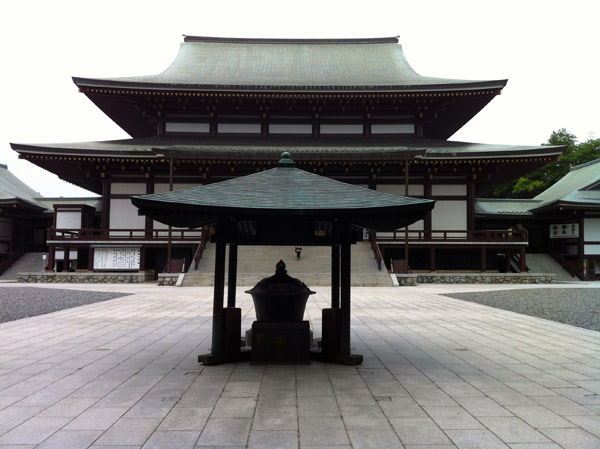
{"x":272,"y":147}
{"x":12,"y":188}
{"x":257,"y":64}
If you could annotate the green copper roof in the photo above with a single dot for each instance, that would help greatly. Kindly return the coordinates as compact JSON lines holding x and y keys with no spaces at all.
{"x":302,"y":148}
{"x":272,"y":64}
{"x":581,"y":186}
{"x":284,"y":190}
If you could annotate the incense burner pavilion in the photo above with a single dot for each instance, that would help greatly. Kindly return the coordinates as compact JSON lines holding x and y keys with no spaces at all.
{"x":352,"y":110}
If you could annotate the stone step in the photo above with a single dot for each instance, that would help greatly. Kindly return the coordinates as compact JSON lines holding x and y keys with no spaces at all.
{"x":313,"y":267}
{"x":28,"y":263}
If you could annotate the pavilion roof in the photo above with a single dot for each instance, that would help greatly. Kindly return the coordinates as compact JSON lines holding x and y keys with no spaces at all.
{"x":331,"y":65}
{"x":283,"y":190}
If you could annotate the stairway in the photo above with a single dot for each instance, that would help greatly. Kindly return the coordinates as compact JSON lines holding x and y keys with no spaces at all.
{"x":28,"y":263}
{"x":313,"y":268}
{"x":544,"y":263}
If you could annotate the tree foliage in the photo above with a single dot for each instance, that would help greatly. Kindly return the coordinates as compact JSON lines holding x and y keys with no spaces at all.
{"x":536,"y":182}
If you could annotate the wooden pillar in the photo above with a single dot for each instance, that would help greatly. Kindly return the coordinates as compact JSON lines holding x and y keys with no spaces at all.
{"x":66,"y":259}
{"x":335,"y":276}
{"x":51,"y":257}
{"x":345,"y":278}
{"x":432,"y":258}
{"x":105,"y":225}
{"x":470,"y":206}
{"x":523,"y":260}
{"x":232,"y":279}
{"x":483,"y":259}
{"x":91,"y":258}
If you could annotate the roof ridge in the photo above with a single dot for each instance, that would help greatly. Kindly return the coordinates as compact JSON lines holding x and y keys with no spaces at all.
{"x":585,"y":164}
{"x":244,"y":40}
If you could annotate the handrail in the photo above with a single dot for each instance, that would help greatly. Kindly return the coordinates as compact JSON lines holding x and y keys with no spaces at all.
{"x":201,"y":247}
{"x":120,"y":234}
{"x":375,"y":248}
{"x":567,"y":265}
{"x":453,"y":235}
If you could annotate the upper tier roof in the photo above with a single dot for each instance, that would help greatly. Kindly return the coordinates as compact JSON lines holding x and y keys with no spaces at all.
{"x":205,"y":63}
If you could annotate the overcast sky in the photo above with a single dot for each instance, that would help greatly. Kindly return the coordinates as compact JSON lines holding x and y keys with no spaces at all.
{"x":548,"y":50}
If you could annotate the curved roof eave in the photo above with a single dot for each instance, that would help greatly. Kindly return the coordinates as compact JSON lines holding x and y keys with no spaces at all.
{"x":139,"y":83}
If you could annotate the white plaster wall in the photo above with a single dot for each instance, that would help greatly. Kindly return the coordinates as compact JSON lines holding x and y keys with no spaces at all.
{"x":449,"y":215}
{"x":398,"y":189}
{"x":124,"y":188}
{"x":341,"y":129}
{"x":393,"y":128}
{"x":161,"y":188}
{"x":68,"y":220}
{"x":591,"y":229}
{"x":124,"y":215}
{"x":174,"y":127}
{"x":60,"y":255}
{"x":591,"y":250}
{"x":246,"y":128}
{"x":448,"y":190}
{"x":297,"y":128}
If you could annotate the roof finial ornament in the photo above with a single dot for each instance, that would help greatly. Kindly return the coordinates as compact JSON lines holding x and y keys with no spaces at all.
{"x":286,"y":160}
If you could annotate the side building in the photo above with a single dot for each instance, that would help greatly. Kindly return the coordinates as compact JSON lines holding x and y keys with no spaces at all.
{"x":348,"y":109}
{"x":563,"y":221}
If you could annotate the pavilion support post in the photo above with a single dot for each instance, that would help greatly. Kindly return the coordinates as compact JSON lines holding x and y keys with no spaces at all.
{"x":335,"y":277}
{"x":232,"y":276}
{"x":51,"y":258}
{"x":344,"y":356}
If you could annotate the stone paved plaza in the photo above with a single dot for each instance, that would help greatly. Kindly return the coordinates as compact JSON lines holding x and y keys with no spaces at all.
{"x":438,"y":373}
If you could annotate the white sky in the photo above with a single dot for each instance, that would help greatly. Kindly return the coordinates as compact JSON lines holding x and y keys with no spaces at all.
{"x":549,"y":51}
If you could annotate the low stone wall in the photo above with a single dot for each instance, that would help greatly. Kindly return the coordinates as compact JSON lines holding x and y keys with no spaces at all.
{"x":407,"y":280}
{"x":167,"y":279}
{"x":86,"y":277}
{"x":482,"y":278}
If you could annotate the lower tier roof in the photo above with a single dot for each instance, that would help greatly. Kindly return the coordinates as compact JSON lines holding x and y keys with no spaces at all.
{"x":240,"y":148}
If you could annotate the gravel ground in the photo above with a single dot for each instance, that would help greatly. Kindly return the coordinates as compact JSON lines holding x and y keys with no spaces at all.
{"x":578,"y":307}
{"x":17,"y":303}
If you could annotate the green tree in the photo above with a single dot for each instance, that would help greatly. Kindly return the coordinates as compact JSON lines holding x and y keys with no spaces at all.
{"x":536,"y":182}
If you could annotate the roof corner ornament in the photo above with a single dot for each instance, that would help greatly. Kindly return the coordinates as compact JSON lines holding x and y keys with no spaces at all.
{"x":286,"y":160}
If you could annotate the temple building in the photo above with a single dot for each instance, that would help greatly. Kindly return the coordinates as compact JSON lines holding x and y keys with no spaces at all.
{"x":352,"y":110}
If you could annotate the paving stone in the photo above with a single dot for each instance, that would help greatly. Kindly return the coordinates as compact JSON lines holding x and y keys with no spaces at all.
{"x":186,"y":418}
{"x":225,"y":432}
{"x":453,"y":418}
{"x":129,"y":432}
{"x":418,"y":431}
{"x":322,"y":432}
{"x":275,"y":418}
{"x":573,"y":438}
{"x":475,"y":439}
{"x":374,"y":439}
{"x":33,"y":431}
{"x":513,"y":430}
{"x":309,"y":406}
{"x":271,"y":439}
{"x":70,"y":439}
{"x":369,"y":418}
{"x":234,"y":408}
{"x":172,"y":439}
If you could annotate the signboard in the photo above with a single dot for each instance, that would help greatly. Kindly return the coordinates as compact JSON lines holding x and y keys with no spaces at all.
{"x":564,"y":231}
{"x":123,"y":258}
